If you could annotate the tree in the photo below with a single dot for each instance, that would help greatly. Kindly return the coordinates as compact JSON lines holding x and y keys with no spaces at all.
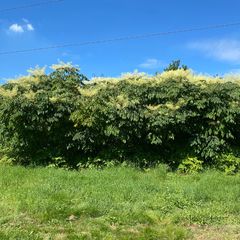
{"x":175,"y":65}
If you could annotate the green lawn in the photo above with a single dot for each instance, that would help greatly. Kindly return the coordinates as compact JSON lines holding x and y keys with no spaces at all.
{"x":117,"y":203}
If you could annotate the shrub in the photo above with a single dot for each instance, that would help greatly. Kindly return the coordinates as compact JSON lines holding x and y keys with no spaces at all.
{"x":229,"y":163}
{"x":35,"y":123}
{"x":158,"y":114}
{"x":191,"y":165}
{"x":57,"y":119}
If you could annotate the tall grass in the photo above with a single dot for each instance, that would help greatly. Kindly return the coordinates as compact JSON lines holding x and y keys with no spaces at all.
{"x":116,"y":203}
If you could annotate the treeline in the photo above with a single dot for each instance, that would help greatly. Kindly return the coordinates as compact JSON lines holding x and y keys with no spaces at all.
{"x":187,"y":121}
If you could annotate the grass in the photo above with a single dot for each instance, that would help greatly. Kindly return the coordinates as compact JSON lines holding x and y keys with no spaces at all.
{"x":117,"y":203}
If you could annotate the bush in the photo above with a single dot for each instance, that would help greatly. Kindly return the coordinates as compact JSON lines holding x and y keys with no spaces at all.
{"x":35,"y":123}
{"x":229,"y":163}
{"x":159,"y":114}
{"x":57,"y":119}
{"x":191,"y":165}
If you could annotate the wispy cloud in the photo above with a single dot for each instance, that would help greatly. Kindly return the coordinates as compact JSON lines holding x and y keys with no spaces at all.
{"x":151,"y":63}
{"x":25,"y":20}
{"x":221,"y":49}
{"x":30,"y":27}
{"x":26,"y":26}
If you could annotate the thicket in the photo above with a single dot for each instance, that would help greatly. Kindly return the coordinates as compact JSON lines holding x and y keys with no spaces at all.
{"x":184,"y":120}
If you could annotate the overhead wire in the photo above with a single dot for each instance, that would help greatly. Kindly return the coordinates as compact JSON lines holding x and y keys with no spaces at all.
{"x":37,"y":4}
{"x":124,"y":38}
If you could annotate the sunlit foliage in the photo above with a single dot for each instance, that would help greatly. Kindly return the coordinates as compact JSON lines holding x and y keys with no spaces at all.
{"x":60,"y":118}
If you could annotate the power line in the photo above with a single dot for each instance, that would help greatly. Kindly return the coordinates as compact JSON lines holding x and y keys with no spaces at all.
{"x":126,"y":38}
{"x":30,"y":5}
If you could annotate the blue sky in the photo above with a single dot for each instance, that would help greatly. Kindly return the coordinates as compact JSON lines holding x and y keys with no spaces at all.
{"x":73,"y":21}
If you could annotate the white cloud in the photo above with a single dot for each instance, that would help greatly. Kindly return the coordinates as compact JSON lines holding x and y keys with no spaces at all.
{"x":151,"y":63}
{"x":16,"y":28}
{"x":30,"y":27}
{"x":21,"y":28}
{"x":222,"y":49}
{"x":25,"y":20}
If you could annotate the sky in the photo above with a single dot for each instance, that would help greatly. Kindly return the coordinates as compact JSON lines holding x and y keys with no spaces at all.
{"x":74,"y":21}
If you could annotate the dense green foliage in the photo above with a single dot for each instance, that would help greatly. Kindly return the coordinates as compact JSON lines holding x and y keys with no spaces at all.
{"x":178,"y":118}
{"x":35,"y":116}
{"x":117,"y":203}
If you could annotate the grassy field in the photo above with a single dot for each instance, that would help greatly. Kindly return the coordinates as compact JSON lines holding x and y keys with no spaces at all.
{"x":117,"y":203}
